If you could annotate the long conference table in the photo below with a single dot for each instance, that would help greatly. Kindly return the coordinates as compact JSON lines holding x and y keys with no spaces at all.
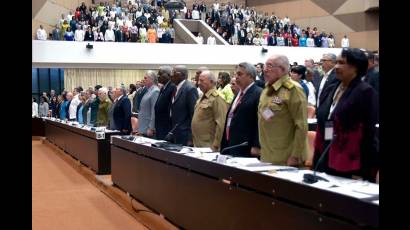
{"x":200,"y":194}
{"x":90,"y":147}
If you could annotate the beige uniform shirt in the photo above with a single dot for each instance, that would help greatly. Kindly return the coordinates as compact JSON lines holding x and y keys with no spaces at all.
{"x":285,"y":134}
{"x":208,"y":120}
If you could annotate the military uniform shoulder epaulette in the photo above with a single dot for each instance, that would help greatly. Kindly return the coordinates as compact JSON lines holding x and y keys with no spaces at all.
{"x":215,"y":93}
{"x":289,"y":84}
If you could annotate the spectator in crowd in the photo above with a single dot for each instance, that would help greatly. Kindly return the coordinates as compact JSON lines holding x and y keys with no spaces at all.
{"x":297,"y":73}
{"x":69,"y":35}
{"x":234,"y":86}
{"x":182,"y":107}
{"x":109,"y":35}
{"x":312,"y":90}
{"x":63,"y":107}
{"x":88,"y":99}
{"x":331,"y":41}
{"x":224,"y":87}
{"x":152,"y":35}
{"x":98,"y":36}
{"x":282,"y":116}
{"x":41,"y":33}
{"x":131,"y":93}
{"x":56,"y":33}
{"x":310,"y":42}
{"x":53,"y":106}
{"x":317,"y":76}
{"x":34,"y":107}
{"x":43,"y":107}
{"x":241,"y":123}
{"x":138,"y":96}
{"x":72,"y":106}
{"x":260,"y":80}
{"x":211,"y":40}
{"x":302,"y":41}
{"x":350,"y":109}
{"x":146,"y":115}
{"x":103,"y":107}
{"x":79,"y":34}
{"x":89,"y":35}
{"x":209,"y":116}
{"x":200,"y":39}
{"x":345,"y":42}
{"x":80,"y":107}
{"x":163,"y":103}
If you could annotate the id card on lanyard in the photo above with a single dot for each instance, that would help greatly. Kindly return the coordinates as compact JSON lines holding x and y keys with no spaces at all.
{"x":328,"y":130}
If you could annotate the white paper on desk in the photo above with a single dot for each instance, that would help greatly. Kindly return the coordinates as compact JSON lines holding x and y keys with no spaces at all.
{"x":203,"y":156}
{"x":365,"y":187}
{"x":258,"y":168}
{"x":345,"y":190}
{"x":242,"y":161}
{"x":145,"y":140}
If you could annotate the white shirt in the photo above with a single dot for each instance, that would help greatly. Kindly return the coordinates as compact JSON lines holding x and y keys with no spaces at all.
{"x":200,"y":39}
{"x":34,"y":109}
{"x":160,"y":19}
{"x":195,"y":14}
{"x":72,"y":110}
{"x":234,"y":104}
{"x":311,"y":96}
{"x":211,"y":41}
{"x":178,"y":87}
{"x":79,"y":35}
{"x":345,"y":42}
{"x":322,"y":84}
{"x":310,"y":42}
{"x":200,"y":93}
{"x":41,"y":34}
{"x":216,"y":6}
{"x":109,"y":35}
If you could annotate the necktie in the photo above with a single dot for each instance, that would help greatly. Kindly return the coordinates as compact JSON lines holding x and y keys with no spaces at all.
{"x":230,"y":115}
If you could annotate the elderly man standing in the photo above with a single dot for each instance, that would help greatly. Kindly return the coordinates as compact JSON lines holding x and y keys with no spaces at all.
{"x":209,"y":115}
{"x":242,"y":119}
{"x":103,"y":107}
{"x":282,"y":116}
{"x":146,"y":116}
{"x":163,"y":103}
{"x":329,"y":78}
{"x":183,"y":104}
{"x":121,"y":111}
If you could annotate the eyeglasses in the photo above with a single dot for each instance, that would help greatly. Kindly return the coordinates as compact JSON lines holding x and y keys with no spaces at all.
{"x":322,"y":60}
{"x":270,"y":66}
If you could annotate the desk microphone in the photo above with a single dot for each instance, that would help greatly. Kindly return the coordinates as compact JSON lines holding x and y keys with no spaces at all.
{"x":170,"y":135}
{"x":313,"y":178}
{"x":234,"y":146}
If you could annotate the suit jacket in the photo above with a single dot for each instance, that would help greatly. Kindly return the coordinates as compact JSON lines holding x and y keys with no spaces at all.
{"x":331,"y":80}
{"x":244,"y":124}
{"x":355,"y":145}
{"x":372,"y":78}
{"x":261,"y":81}
{"x":122,"y":115}
{"x":146,"y":115}
{"x":182,"y":110}
{"x":162,"y":109}
{"x":137,"y":99}
{"x":317,"y":78}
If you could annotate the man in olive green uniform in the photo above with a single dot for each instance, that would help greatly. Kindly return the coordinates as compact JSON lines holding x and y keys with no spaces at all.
{"x":282,"y":116}
{"x":208,"y":120}
{"x":103,"y":107}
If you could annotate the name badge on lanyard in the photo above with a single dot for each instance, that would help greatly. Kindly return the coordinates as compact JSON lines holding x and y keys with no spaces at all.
{"x":328,"y":130}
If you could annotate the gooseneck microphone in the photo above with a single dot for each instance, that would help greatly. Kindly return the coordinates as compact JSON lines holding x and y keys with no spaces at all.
{"x":313,"y":178}
{"x":170,"y":135}
{"x":234,"y":146}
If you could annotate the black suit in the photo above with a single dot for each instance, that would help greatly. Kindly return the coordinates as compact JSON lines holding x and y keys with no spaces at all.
{"x":162,"y":108}
{"x":244,"y":124}
{"x":182,"y":111}
{"x":331,"y":80}
{"x":372,"y":78}
{"x":317,"y":78}
{"x":261,"y":81}
{"x":122,"y":115}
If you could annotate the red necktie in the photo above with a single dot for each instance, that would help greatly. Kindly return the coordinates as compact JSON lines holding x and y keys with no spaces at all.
{"x":230,"y":115}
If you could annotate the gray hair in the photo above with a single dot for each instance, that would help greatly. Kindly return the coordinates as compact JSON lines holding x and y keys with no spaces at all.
{"x":249,"y":68}
{"x":152,"y":75}
{"x":103,"y":90}
{"x":166,"y":69}
{"x":282,"y":61}
{"x":210,"y":75}
{"x":182,"y":69}
{"x":331,"y":56}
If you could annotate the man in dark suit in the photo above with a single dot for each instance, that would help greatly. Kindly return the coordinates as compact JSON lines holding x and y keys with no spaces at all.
{"x":122,"y":111}
{"x":372,"y":76}
{"x":183,"y":105}
{"x":138,"y":97}
{"x":163,"y":103}
{"x":242,"y":118}
{"x":260,"y":80}
{"x":329,"y":78}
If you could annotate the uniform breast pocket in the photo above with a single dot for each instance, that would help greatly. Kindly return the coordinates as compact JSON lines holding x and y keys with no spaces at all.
{"x":275,"y":107}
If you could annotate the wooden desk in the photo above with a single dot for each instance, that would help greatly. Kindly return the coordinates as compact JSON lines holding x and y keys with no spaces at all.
{"x":82,"y":144}
{"x":198,"y":194}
